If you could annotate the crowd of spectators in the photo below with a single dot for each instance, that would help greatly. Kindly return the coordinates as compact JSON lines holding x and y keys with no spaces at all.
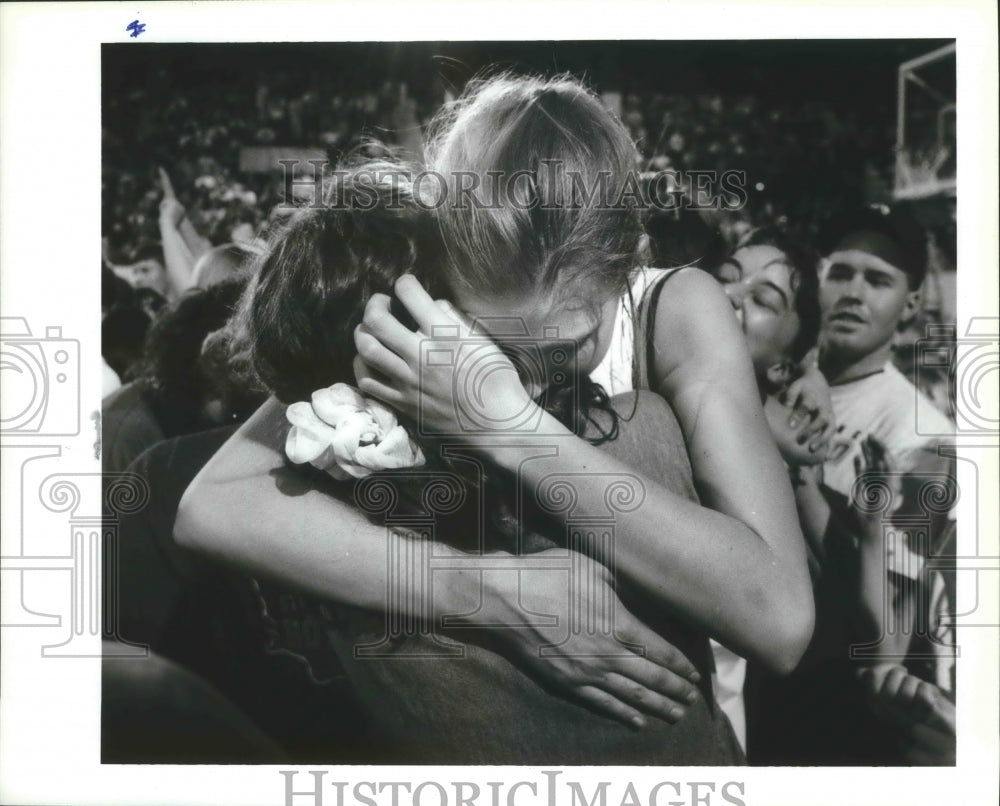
{"x":792,"y":156}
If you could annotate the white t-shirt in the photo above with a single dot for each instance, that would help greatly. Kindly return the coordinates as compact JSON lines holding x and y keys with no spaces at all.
{"x":890,"y":408}
{"x":615,"y":374}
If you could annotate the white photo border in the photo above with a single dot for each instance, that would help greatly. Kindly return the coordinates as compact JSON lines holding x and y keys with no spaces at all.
{"x":50,"y":160}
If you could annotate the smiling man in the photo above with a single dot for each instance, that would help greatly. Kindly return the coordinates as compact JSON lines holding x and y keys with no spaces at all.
{"x":870,"y":287}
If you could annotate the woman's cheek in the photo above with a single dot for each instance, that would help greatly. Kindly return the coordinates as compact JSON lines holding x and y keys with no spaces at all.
{"x":590,"y":355}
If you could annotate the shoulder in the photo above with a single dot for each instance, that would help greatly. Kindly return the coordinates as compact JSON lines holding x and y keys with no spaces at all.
{"x":698,"y":351}
{"x":686,"y":281}
{"x":128,"y":424}
{"x":694,"y":320}
{"x":123,"y":398}
{"x":687,"y":297}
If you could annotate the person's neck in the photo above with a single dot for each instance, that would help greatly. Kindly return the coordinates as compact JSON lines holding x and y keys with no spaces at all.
{"x":844,"y":369}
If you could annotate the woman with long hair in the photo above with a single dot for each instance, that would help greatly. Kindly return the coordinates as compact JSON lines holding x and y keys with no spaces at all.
{"x":549,"y":257}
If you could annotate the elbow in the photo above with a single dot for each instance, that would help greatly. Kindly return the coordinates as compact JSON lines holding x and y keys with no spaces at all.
{"x":790,"y":636}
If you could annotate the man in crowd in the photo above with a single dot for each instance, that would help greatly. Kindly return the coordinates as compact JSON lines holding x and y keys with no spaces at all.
{"x":870,"y":289}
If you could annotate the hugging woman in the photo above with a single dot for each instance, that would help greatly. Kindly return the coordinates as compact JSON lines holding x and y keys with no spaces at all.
{"x":733,"y":568}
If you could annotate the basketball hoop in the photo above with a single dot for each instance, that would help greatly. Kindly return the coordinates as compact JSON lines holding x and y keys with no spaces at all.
{"x":925,"y":127}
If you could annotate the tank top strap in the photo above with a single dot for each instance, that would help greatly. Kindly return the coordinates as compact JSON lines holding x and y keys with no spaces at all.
{"x":645,"y":321}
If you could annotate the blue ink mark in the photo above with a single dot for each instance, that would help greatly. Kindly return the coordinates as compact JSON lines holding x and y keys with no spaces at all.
{"x":136,"y":28}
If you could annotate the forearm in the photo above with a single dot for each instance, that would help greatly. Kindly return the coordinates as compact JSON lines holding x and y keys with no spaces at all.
{"x":315,"y":543}
{"x":195,"y":244}
{"x":813,"y":510}
{"x":711,"y":568}
{"x":249,"y":509}
{"x":177,"y":258}
{"x":884,"y":616}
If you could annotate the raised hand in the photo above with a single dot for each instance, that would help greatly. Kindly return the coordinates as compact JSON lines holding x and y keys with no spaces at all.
{"x":172,"y":212}
{"x":922,"y":712}
{"x":165,"y":184}
{"x":793,"y":443}
{"x":812,"y":418}
{"x":874,"y":463}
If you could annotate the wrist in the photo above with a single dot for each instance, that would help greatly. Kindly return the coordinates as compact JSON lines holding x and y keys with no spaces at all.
{"x":802,"y":475}
{"x":540,"y":435}
{"x":477,"y":589}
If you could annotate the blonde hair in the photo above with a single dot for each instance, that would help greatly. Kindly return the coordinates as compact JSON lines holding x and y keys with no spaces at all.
{"x":551,"y":204}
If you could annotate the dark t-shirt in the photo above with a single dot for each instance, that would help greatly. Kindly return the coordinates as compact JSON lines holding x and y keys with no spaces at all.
{"x":128,"y":427}
{"x":292,"y":662}
{"x":197,"y":612}
{"x":458,"y":699}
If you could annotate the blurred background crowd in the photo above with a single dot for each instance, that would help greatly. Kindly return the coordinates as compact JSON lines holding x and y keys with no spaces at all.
{"x":812,"y":126}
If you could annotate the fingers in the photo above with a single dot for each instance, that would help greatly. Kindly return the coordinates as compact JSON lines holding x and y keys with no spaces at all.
{"x":792,"y":396}
{"x":930,"y":707}
{"x":165,"y":183}
{"x":892,"y":683}
{"x":425,"y":311}
{"x":457,"y":315}
{"x":894,"y":692}
{"x":803,"y":405}
{"x":897,"y":695}
{"x":380,"y":358}
{"x":641,"y":697}
{"x":868,"y":460}
{"x":817,"y":426}
{"x":872,"y":458}
{"x":820,"y":448}
{"x":607,"y":704}
{"x":372,"y":385}
{"x":654,"y":648}
{"x":875,"y":677}
{"x":916,"y":707}
{"x":659,"y":681}
{"x":907,"y":692}
{"x":380,"y":322}
{"x":651,"y":677}
{"x":875,"y":455}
